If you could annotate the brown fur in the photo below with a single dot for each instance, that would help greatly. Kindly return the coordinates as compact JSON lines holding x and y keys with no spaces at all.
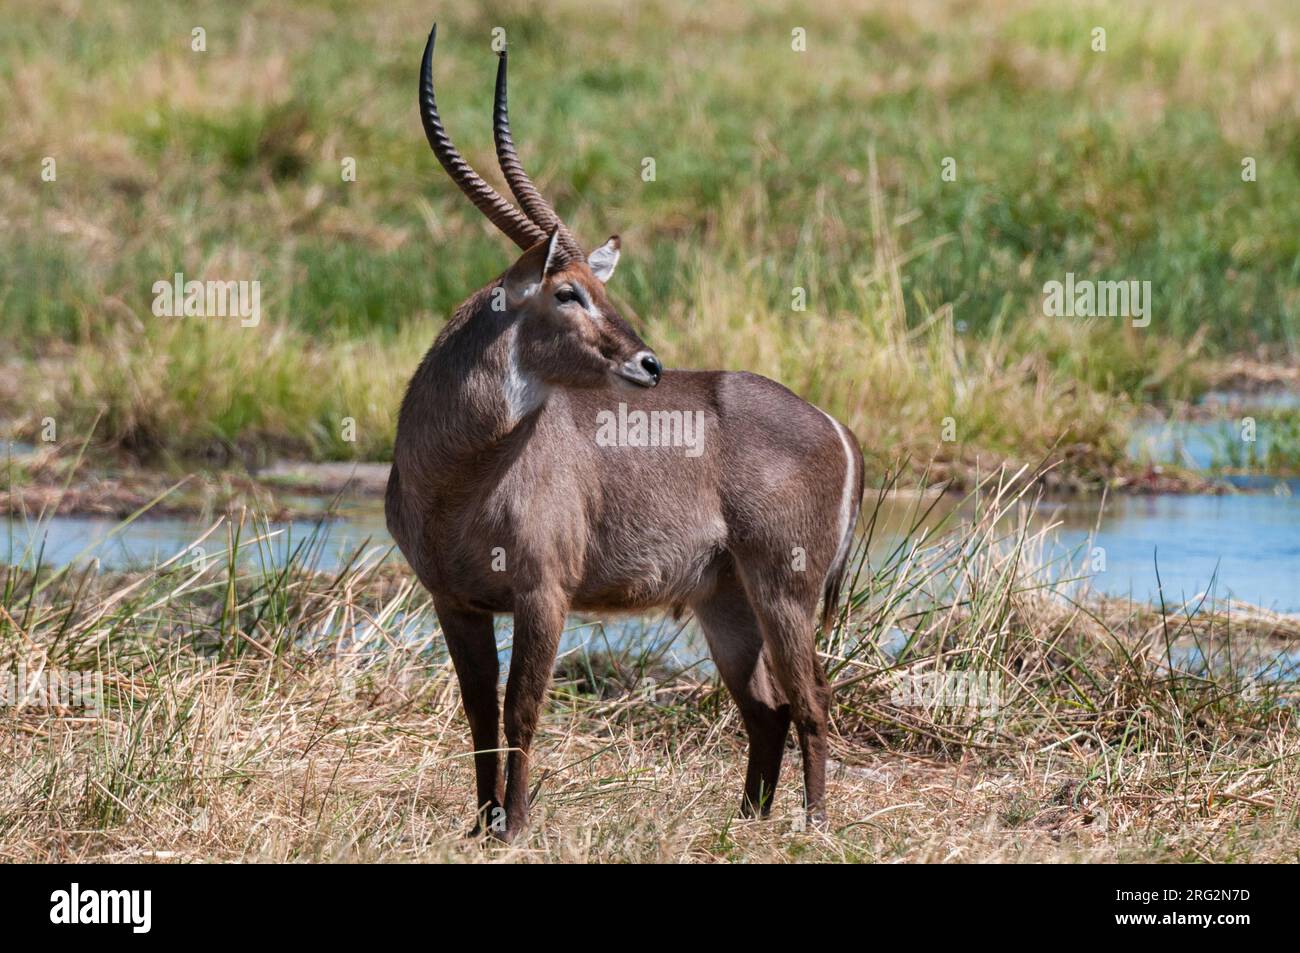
{"x":592,"y":528}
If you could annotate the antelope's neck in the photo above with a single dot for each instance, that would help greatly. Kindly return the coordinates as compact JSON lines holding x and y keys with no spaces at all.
{"x":469,"y":404}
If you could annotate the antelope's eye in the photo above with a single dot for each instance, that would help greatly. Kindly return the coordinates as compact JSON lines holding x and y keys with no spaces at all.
{"x":566,"y":295}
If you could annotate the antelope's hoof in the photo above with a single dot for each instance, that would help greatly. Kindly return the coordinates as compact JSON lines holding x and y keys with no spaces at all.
{"x":504,"y":836}
{"x":480,"y":831}
{"x":508,"y":832}
{"x":490,"y":819}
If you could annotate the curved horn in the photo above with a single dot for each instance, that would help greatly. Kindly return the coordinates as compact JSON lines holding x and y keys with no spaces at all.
{"x":526,"y":194}
{"x":501,"y":213}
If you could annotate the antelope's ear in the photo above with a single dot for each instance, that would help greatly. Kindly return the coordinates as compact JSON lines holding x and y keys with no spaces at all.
{"x":526,"y":275}
{"x":603,"y":260}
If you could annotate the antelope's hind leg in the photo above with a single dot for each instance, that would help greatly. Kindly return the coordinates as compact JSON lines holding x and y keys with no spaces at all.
{"x":473,"y":650}
{"x":736,"y":644}
{"x":785,"y":604}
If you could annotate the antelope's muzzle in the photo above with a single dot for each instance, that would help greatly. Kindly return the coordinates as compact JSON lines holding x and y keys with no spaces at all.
{"x":642,"y":369}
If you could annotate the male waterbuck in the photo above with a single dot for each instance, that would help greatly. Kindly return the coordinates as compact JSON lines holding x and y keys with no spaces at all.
{"x":514,"y":490}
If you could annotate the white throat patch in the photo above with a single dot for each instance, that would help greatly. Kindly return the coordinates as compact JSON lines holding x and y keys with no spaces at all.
{"x":523,"y":392}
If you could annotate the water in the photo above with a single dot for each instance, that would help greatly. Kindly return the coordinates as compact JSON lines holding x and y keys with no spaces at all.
{"x":151,"y":540}
{"x":1238,"y":546}
{"x":1224,"y":402}
{"x":1252,"y":541}
{"x":1246,"y":544}
{"x":1259,"y":662}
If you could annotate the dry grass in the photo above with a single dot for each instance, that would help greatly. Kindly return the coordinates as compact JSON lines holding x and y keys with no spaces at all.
{"x":255,"y":713}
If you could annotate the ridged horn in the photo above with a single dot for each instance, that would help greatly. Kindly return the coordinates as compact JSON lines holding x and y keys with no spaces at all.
{"x":525,"y":193}
{"x":514,"y":223}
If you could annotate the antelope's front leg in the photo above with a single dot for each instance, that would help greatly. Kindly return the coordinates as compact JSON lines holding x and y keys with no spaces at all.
{"x":539,"y":620}
{"x":473,"y":649}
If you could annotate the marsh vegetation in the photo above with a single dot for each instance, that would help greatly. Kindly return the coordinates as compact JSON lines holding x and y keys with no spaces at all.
{"x":256,"y":710}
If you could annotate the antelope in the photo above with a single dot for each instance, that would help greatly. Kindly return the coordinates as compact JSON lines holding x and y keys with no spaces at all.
{"x":503,"y":501}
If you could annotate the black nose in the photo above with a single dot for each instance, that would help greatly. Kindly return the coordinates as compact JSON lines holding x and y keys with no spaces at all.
{"x":650,"y":364}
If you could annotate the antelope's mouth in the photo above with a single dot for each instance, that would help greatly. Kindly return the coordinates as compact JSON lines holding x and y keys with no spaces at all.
{"x":643,"y":369}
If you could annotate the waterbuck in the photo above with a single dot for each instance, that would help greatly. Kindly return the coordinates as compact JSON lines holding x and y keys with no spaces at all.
{"x":514,"y":491}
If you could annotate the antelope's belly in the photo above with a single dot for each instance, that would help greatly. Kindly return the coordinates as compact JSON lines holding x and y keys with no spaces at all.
{"x":644,"y":569}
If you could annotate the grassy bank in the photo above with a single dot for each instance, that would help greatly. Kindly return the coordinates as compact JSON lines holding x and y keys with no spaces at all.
{"x":252,"y":713}
{"x":775,"y":170}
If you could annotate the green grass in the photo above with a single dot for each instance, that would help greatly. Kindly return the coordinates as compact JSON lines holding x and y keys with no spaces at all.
{"x":226,"y":164}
